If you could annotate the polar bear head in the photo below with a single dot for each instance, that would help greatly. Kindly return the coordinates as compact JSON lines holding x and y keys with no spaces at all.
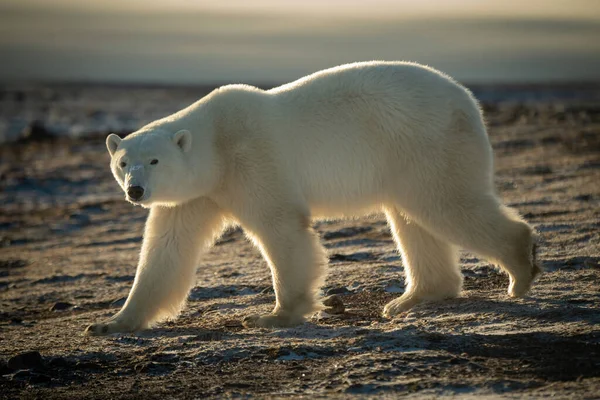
{"x":154,"y":167}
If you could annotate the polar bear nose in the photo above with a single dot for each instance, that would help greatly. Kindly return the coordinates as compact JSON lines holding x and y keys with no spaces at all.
{"x":135,"y":192}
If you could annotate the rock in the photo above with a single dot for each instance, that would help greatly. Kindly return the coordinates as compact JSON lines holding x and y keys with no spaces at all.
{"x":334,"y":304}
{"x":61,"y":306}
{"x":27,"y":360}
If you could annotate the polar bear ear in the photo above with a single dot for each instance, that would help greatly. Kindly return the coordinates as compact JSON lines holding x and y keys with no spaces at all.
{"x":112,"y":142}
{"x":183,"y":139}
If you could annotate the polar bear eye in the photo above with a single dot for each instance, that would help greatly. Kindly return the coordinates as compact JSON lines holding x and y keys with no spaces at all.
{"x":122,"y":164}
{"x":154,"y":162}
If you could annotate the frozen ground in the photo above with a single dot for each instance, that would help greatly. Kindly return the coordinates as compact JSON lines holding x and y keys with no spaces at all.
{"x":69,"y":245}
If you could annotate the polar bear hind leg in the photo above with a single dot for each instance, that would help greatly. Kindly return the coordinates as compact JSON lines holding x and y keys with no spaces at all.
{"x":480,"y":223}
{"x":452,"y":202}
{"x":430,"y":263}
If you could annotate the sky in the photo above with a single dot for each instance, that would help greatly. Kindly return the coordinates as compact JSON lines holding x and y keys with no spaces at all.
{"x":269,"y":41}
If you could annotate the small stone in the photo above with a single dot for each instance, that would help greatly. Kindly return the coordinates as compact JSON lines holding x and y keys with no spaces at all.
{"x":27,"y":360}
{"x":61,"y":306}
{"x":334,"y":304}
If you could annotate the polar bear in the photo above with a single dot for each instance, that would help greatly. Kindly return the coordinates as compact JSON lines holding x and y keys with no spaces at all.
{"x":396,"y":137}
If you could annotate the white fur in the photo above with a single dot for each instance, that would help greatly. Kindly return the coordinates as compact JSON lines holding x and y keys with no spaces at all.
{"x":391,"y":136}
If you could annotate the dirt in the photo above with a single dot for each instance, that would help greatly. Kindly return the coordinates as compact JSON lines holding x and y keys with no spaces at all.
{"x":69,"y":245}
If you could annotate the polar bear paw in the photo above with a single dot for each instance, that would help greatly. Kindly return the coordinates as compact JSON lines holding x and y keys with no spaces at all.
{"x":109,"y":327}
{"x":272,"y":321}
{"x":399,"y":306}
{"x":519,"y":288}
{"x":522,"y":278}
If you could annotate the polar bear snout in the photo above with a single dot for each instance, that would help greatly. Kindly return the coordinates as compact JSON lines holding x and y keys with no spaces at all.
{"x":135,"y":193}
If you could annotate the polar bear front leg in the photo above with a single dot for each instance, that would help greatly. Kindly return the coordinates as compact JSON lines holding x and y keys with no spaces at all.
{"x":297,"y":261}
{"x":173,"y":239}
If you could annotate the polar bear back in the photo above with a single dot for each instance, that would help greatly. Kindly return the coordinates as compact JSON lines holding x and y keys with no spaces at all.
{"x":348,"y":133}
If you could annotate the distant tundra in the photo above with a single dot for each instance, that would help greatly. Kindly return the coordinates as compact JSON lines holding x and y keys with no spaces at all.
{"x":396,"y":137}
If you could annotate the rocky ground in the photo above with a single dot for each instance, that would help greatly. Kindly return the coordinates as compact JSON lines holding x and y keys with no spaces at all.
{"x":69,"y":244}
